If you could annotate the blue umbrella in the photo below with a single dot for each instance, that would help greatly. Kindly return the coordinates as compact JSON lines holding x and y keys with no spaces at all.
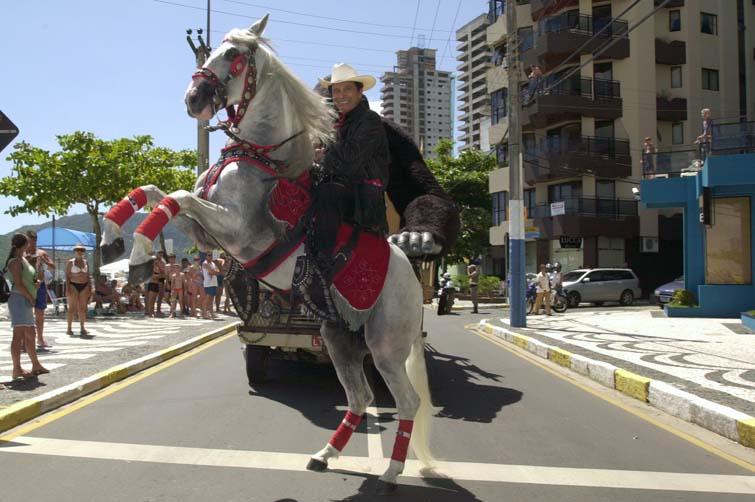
{"x":64,"y":239}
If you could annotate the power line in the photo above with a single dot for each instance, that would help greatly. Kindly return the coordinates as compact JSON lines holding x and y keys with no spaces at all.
{"x":435,"y":19}
{"x":416,"y":15}
{"x":307,"y":14}
{"x":311,"y":42}
{"x":328,"y":28}
{"x":453,"y":24}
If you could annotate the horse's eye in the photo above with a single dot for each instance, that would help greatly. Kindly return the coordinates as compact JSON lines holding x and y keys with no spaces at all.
{"x":231,"y":54}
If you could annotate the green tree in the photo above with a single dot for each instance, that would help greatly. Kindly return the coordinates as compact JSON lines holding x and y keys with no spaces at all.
{"x":94,"y":172}
{"x":465,"y":179}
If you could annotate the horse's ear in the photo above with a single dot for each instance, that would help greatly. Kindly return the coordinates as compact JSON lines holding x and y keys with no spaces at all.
{"x":258,"y":27}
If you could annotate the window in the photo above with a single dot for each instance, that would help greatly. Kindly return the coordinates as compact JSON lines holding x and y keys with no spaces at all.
{"x":677,"y":133}
{"x":498,"y":58}
{"x":597,"y":276}
{"x":708,"y":23}
{"x":674,"y":20}
{"x":710,"y":79}
{"x":529,"y":202}
{"x":676,"y":77}
{"x":728,"y":242}
{"x":497,"y":106}
{"x":526,"y":39}
{"x":496,"y":8}
{"x":500,"y":206}
{"x":502,"y":154}
{"x":565,"y":191}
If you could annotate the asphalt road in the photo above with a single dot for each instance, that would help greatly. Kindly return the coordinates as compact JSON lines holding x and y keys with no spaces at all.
{"x":506,"y":429}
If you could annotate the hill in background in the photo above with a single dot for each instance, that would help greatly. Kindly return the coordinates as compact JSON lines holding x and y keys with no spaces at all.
{"x":83,"y":223}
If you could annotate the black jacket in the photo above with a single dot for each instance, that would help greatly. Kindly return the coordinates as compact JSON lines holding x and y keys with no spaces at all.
{"x":361,"y":150}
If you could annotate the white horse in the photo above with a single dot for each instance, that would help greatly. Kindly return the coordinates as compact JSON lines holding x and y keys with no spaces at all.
{"x":275,"y":114}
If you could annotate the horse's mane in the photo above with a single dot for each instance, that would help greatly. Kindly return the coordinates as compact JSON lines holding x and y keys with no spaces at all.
{"x":312,"y":111}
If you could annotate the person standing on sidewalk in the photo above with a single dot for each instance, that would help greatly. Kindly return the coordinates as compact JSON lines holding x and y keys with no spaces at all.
{"x":543,"y":291}
{"x":20,"y":307}
{"x":41,"y":262}
{"x":78,"y":288}
{"x":474,"y":276}
{"x":210,"y":282}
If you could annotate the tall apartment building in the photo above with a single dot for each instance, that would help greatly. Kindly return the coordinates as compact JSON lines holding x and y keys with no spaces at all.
{"x":583,"y":137}
{"x":417,"y":96}
{"x":474,"y":60}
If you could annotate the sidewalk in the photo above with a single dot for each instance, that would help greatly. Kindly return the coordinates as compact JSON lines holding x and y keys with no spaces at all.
{"x":712,"y":359}
{"x":117,"y":342}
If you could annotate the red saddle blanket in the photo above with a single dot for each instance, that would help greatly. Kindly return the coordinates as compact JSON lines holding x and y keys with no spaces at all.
{"x":362,"y":278}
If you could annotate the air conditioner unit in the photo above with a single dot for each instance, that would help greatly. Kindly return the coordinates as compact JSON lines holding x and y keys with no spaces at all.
{"x":648,"y":244}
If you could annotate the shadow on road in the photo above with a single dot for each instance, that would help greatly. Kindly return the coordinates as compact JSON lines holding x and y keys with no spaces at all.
{"x":458,"y":388}
{"x":435,"y":489}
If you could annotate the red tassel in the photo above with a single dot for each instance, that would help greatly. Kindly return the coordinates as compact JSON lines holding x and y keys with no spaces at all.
{"x":403,"y":435}
{"x":158,"y":218}
{"x":345,"y":429}
{"x":125,"y":209}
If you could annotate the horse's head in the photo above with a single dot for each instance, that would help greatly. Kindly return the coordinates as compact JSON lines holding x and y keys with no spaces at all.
{"x":229,"y":77}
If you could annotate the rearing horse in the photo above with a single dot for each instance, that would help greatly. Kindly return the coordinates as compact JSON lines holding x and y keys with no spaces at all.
{"x":276,"y":116}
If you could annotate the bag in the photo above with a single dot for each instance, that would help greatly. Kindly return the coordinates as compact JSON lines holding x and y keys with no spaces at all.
{"x":5,"y":288}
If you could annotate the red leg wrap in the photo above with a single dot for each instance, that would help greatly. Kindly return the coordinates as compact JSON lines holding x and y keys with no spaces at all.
{"x":345,"y":429}
{"x":403,"y":435}
{"x":125,"y":209}
{"x":158,"y":218}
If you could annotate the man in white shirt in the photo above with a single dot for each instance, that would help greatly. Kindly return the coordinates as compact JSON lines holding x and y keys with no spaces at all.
{"x":543,"y":291}
{"x":210,"y":281}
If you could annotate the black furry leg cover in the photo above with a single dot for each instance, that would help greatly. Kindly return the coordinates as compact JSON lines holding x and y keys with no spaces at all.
{"x":430,"y":213}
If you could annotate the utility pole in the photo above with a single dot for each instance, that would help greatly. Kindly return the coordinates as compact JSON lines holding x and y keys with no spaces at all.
{"x":201,"y":53}
{"x":518,"y":315}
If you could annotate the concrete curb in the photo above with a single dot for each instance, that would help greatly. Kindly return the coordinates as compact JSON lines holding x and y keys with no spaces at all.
{"x":23,"y":411}
{"x":717,"y":418}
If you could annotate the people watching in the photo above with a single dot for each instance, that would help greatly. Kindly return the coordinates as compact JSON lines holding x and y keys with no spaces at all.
{"x":195,"y":286}
{"x":42,"y":263}
{"x":153,"y":287}
{"x":220,"y":263}
{"x":706,"y":137}
{"x":78,"y":288}
{"x":20,"y":307}
{"x":105,"y":292}
{"x":162,"y":283}
{"x":176,"y":282}
{"x":543,"y":291}
{"x":648,"y":156}
{"x":210,"y":283}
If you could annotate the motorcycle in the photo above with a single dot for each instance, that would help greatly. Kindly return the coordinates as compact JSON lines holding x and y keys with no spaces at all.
{"x":559,"y":302}
{"x":446,"y":295}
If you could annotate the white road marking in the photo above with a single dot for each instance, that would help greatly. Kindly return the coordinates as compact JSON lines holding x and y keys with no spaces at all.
{"x":500,"y":473}
{"x":374,"y":445}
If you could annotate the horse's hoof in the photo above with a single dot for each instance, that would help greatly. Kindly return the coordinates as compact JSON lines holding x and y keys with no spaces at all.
{"x":138,"y":274}
{"x":384,"y":487}
{"x":111,"y":252}
{"x":317,"y":465}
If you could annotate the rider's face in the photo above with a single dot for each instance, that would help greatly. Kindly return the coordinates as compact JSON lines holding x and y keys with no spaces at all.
{"x":346,"y":96}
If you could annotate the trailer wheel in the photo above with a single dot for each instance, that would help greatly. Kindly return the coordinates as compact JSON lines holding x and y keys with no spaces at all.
{"x":256,"y":358}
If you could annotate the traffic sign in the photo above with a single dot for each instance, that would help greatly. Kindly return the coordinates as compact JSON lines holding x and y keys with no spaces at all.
{"x":8,"y":131}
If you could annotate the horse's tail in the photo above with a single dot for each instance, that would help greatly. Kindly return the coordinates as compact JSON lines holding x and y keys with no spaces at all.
{"x":417,"y":371}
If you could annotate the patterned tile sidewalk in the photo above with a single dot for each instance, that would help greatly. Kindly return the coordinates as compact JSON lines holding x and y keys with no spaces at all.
{"x":706,"y":357}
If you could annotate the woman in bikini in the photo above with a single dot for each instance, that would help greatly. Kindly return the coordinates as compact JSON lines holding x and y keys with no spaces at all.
{"x":78,"y":288}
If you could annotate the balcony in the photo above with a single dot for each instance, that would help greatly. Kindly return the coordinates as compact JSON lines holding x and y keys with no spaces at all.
{"x":588,"y":217}
{"x":569,"y":100}
{"x":557,"y":37}
{"x":670,"y":53}
{"x":555,"y":158}
{"x":672,"y":4}
{"x":542,"y":8}
{"x":671,"y":109}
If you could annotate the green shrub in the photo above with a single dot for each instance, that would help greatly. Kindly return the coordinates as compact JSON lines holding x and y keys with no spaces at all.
{"x":683,"y":298}
{"x":461,"y":282}
{"x":488,"y":284}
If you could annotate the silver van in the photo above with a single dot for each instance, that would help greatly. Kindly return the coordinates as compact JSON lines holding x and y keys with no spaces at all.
{"x":598,"y":285}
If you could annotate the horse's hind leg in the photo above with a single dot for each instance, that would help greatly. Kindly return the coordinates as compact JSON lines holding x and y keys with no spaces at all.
{"x":347,"y":351}
{"x":112,"y":245}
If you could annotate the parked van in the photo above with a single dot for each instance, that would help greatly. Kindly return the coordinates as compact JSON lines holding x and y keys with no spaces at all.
{"x":598,"y":285}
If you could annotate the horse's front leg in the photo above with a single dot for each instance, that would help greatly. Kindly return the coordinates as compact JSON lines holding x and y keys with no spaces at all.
{"x":206,"y":214}
{"x":112,"y":245}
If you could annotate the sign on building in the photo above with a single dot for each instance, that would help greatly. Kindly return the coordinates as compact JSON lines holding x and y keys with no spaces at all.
{"x":558,"y":208}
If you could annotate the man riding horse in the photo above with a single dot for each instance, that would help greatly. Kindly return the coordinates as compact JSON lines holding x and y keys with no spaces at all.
{"x":355,"y":166}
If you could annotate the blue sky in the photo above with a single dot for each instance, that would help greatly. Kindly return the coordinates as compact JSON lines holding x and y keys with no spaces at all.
{"x":120,"y":68}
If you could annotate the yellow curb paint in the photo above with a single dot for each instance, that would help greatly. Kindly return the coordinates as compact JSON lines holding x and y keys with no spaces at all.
{"x":489,"y":329}
{"x":560,"y":356}
{"x":600,"y":395}
{"x":521,"y":341}
{"x":632,"y":385}
{"x":746,"y":429}
{"x":19,"y":413}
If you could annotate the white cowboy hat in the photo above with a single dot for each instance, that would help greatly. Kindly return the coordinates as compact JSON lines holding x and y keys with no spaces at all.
{"x":345,"y":73}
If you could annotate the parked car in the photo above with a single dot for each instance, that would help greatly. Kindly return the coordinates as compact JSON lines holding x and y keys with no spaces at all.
{"x":663,"y":294}
{"x":599,"y":285}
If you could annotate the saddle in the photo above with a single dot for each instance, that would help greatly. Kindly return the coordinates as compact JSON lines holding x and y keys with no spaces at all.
{"x":361,"y":257}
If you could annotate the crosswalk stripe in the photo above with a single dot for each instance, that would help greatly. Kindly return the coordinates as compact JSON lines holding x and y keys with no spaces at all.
{"x":468,"y":471}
